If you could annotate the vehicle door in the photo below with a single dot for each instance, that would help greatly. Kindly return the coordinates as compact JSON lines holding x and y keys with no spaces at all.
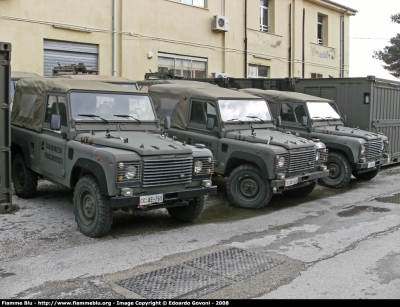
{"x":197,"y":131}
{"x":53,"y":142}
{"x":292,"y":115}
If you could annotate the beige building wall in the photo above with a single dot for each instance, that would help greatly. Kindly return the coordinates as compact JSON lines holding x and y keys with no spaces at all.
{"x":143,"y":26}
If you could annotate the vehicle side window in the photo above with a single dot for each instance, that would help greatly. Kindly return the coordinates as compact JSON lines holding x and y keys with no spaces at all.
{"x":212,"y":113}
{"x":287,"y":113}
{"x":56,"y":105}
{"x":299,"y":111}
{"x":197,"y":114}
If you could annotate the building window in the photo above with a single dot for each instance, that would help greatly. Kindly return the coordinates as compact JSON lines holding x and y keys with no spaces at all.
{"x":199,"y":3}
{"x":183,"y":66}
{"x":258,"y":71}
{"x":316,"y":75}
{"x":264,"y":16}
{"x":322,"y":30}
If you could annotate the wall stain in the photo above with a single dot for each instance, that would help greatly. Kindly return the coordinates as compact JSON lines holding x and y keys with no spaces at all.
{"x":327,"y":54}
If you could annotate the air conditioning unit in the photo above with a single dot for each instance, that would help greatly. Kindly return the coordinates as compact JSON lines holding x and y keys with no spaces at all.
{"x":220,"y":23}
{"x":219,"y":75}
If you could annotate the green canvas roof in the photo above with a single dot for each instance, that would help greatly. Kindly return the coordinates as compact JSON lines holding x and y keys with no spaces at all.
{"x":30,"y":94}
{"x":173,"y":99}
{"x":101,"y":78}
{"x":273,"y":96}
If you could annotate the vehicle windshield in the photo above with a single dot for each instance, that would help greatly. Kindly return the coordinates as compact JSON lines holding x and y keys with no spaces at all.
{"x":321,"y":110}
{"x":244,"y":110}
{"x":108,"y":105}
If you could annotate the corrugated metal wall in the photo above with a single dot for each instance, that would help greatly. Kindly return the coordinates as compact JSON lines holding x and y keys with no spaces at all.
{"x":385,"y":109}
{"x":68,"y":53}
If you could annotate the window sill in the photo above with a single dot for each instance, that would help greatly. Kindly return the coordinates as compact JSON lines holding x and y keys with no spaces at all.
{"x":197,"y":7}
{"x":267,"y":33}
{"x":324,"y":46}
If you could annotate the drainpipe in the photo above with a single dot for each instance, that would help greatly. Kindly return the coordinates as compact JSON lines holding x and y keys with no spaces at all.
{"x":223,"y":39}
{"x":290,"y":40}
{"x":114,"y":42}
{"x":245,"y":38}
{"x":303,"y":52}
{"x":342,"y":43}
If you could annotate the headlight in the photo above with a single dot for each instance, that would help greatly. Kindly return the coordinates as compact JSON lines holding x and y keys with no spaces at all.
{"x":198,"y":166}
{"x":362,"y":149}
{"x":130,"y":172}
{"x":385,"y":145}
{"x":317,"y":156}
{"x":280,"y":160}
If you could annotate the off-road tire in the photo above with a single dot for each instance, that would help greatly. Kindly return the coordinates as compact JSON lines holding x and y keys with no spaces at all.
{"x":247,"y":189}
{"x":187,"y":213}
{"x":302,"y":191}
{"x":367,"y":175}
{"x":24,"y":179}
{"x":339,"y":171}
{"x":93,"y":213}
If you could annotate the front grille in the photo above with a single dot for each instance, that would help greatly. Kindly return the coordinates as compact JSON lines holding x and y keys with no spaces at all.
{"x":208,"y":166}
{"x":300,"y":160}
{"x":373,"y":149}
{"x":157,"y":172}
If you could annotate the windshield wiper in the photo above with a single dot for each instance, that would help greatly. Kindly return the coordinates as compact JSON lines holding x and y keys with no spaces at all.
{"x":128,"y":116}
{"x":256,"y":118}
{"x":93,"y":116}
{"x":233,"y":119}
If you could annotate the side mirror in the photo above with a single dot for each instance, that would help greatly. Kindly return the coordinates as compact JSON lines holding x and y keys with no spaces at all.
{"x":344,"y":119}
{"x":55,"y":122}
{"x":167,"y":122}
{"x":279,"y":121}
{"x":304,"y":121}
{"x":210,"y":123}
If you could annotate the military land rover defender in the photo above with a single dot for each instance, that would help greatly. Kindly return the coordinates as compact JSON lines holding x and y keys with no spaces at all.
{"x":239,"y":130}
{"x":104,"y":141}
{"x":352,"y":151}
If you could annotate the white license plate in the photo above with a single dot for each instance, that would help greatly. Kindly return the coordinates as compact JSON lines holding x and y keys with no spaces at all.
{"x":371,"y":164}
{"x":151,"y":199}
{"x":291,"y":181}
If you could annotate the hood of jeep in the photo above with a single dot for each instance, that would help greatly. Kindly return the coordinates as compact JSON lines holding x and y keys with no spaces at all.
{"x":347,"y":131}
{"x":143,"y":143}
{"x":272,"y":137}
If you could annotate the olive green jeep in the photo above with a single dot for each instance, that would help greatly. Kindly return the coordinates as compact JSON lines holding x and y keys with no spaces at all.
{"x":352,"y":151}
{"x":104,"y":141}
{"x":239,"y":130}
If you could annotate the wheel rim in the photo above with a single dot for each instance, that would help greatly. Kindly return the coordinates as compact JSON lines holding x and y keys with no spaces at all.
{"x":334,"y":170}
{"x":248,"y":187}
{"x":87,"y":206}
{"x":19,"y":174}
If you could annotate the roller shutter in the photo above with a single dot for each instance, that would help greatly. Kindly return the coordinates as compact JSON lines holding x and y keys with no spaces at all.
{"x":68,"y":53}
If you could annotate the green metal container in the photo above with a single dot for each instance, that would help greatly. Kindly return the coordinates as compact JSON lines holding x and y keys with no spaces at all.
{"x":5,"y":137}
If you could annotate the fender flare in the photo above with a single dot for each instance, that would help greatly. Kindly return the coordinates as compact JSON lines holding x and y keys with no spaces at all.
{"x":95,"y":168}
{"x":23,"y":144}
{"x":253,"y":159}
{"x":342,"y":148}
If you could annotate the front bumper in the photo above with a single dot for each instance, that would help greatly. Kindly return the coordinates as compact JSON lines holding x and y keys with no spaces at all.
{"x":300,"y":179}
{"x":371,"y":164}
{"x":133,"y":201}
